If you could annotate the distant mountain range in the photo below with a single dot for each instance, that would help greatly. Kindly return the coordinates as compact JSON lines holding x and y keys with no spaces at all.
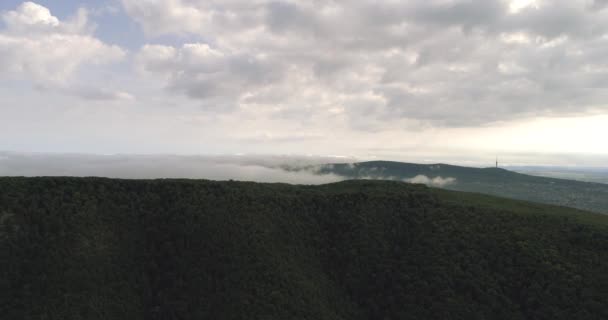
{"x":494,"y":181}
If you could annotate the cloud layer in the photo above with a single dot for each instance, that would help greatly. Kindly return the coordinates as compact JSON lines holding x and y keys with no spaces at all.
{"x":449,"y":63}
{"x":284,"y":169}
{"x":419,"y":81}
{"x":369,"y":64}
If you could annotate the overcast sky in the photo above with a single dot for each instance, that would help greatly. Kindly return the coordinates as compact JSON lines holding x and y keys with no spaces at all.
{"x":421,"y":80}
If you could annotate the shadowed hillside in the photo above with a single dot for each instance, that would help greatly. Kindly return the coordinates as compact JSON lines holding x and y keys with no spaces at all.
{"x":92,"y":248}
{"x":494,"y":181}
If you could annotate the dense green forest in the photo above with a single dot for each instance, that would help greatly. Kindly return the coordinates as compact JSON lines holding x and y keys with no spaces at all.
{"x":93,"y":248}
{"x":494,"y":181}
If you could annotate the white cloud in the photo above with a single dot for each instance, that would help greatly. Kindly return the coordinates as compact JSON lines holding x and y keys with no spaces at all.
{"x":38,"y":47}
{"x":370,"y":64}
{"x":434,"y":182}
{"x":164,"y":17}
{"x":30,"y":16}
{"x":516,"y":6}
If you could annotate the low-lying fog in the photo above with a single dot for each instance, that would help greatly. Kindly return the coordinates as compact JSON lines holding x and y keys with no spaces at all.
{"x":249,"y":168}
{"x":302,"y":169}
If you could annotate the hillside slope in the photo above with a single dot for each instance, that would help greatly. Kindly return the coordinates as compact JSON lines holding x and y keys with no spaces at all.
{"x":91,"y":248}
{"x":494,"y":181}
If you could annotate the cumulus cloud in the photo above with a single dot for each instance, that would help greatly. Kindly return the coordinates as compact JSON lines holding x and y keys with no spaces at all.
{"x":207,"y":73}
{"x":30,"y":15}
{"x":451,"y":63}
{"x":170,"y":16}
{"x":38,"y":47}
{"x":434,"y":182}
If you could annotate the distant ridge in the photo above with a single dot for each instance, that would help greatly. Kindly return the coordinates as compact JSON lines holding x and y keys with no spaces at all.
{"x":494,"y":181}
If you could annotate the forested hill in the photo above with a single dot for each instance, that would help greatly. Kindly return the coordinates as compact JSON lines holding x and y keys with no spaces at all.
{"x":494,"y":181}
{"x":92,"y":248}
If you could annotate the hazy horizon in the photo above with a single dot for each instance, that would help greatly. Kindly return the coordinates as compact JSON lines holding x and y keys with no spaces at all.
{"x":521,"y":160}
{"x":297,"y":169}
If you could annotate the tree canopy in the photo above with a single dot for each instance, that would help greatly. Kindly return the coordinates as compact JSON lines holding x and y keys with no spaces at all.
{"x":93,"y":248}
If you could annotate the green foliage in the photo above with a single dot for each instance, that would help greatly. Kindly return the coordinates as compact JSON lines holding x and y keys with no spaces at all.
{"x":493,"y":181}
{"x":90,"y":248}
